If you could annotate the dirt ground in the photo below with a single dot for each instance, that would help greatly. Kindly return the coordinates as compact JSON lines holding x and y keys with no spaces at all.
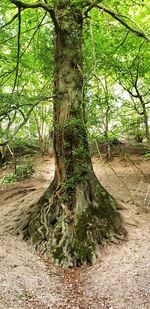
{"x":120,"y":278}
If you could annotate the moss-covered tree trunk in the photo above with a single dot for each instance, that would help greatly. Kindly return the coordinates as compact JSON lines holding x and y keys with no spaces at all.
{"x":76,"y":213}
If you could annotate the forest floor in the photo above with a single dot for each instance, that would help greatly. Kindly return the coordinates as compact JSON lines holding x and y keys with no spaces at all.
{"x":120,"y":278}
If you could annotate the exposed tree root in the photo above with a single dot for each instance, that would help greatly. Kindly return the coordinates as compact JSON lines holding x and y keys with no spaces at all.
{"x":73,"y":236}
{"x":70,"y":235}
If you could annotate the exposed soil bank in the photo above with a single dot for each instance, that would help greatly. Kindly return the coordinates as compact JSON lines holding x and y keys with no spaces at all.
{"x":120,"y":279}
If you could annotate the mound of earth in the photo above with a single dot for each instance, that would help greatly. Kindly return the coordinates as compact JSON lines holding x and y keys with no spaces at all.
{"x":120,"y":278}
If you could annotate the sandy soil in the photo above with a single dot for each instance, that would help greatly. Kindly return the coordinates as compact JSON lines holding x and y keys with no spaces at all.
{"x":120,"y":279}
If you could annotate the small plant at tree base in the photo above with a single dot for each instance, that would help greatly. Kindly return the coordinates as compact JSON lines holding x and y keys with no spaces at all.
{"x":8,"y":179}
{"x":147,"y":154}
{"x":22,"y":172}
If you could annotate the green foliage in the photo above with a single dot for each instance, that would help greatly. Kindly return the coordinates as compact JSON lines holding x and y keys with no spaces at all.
{"x":147,"y":154}
{"x":82,"y":252}
{"x":24,"y":144}
{"x":113,"y":59}
{"x":8,"y":179}
{"x":76,"y":176}
{"x":76,"y":158}
{"x":22,"y":172}
{"x":24,"y":296}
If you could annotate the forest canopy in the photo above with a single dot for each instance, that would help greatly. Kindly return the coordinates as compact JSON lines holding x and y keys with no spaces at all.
{"x":116,"y":69}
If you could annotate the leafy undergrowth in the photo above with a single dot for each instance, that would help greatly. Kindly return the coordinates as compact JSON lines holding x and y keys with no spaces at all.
{"x":21,"y":172}
{"x":147,"y":154}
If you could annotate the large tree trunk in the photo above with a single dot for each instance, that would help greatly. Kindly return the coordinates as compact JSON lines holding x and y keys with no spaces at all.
{"x":75,"y":214}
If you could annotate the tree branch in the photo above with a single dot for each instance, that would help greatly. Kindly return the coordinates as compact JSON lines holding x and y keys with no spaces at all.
{"x":89,"y":7}
{"x":37,"y":28}
{"x":39,"y":4}
{"x":25,"y":119}
{"x":122,"y":43}
{"x":35,"y":5}
{"x":117,"y":17}
{"x":9,"y":22}
{"x":18,"y":52}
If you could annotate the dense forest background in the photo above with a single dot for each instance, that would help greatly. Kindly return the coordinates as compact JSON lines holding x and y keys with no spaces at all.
{"x":116,"y":75}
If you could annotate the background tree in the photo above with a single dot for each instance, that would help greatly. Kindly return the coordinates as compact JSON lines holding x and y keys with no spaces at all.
{"x":132,"y":74}
{"x":23,"y":83}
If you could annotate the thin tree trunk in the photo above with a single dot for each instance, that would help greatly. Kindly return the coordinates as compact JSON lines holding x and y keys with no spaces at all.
{"x":147,"y":132}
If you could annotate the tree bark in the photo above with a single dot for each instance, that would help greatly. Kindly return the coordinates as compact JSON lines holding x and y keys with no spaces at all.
{"x":75,"y":214}
{"x":147,"y":132}
{"x":145,"y":117}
